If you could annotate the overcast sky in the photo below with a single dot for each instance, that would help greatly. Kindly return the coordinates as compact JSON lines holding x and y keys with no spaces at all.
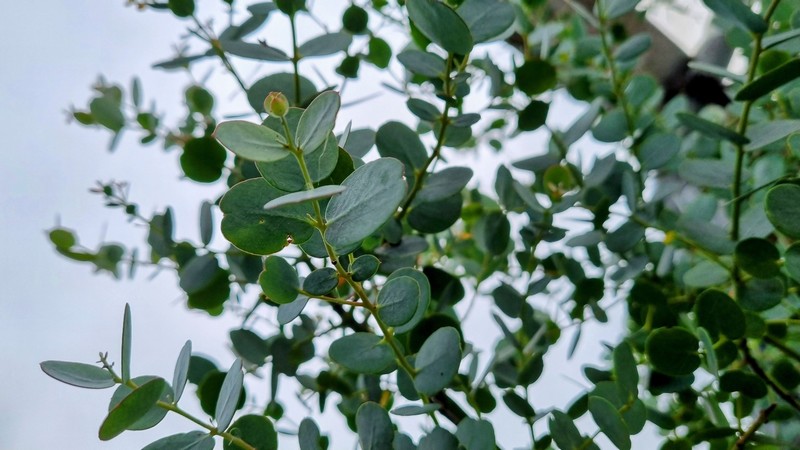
{"x":52,"y":308}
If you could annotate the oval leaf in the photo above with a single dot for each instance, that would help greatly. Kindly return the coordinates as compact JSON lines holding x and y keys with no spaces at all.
{"x":181,"y":373}
{"x":673,"y":351}
{"x":193,"y":440}
{"x":782,"y":204}
{"x":256,"y":430}
{"x":362,"y":353}
{"x":78,"y":374}
{"x":375,"y":431}
{"x":317,"y":121}
{"x":251,"y":141}
{"x":398,"y":300}
{"x":132,"y":408}
{"x":279,"y":280}
{"x":437,"y":361}
{"x":125,"y":361}
{"x":610,"y":422}
{"x":439,"y":23}
{"x":305,"y":196}
{"x":374,"y":191}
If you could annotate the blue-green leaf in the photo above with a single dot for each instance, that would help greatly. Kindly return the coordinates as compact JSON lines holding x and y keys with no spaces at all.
{"x":125,"y":360}
{"x":374,"y":191}
{"x":305,"y":196}
{"x":252,"y":141}
{"x":78,"y":374}
{"x":317,"y":121}
{"x":229,"y":395}
{"x":193,"y":440}
{"x":181,"y":373}
{"x":437,"y":361}
{"x":610,"y":422}
{"x":441,"y":24}
{"x":132,"y":408}
{"x":487,"y":20}
{"x":362,"y":353}
{"x":375,"y":431}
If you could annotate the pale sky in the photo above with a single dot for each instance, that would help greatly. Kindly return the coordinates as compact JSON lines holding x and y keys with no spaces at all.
{"x":56,"y":309}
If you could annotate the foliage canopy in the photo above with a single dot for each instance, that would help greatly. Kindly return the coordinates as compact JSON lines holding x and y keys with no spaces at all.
{"x":366,"y":259}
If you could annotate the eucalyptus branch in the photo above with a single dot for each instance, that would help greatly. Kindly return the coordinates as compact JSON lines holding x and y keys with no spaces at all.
{"x":759,"y":371}
{"x":762,"y":418}
{"x":742,"y":130}
{"x":212,"y":430}
{"x":616,"y":82}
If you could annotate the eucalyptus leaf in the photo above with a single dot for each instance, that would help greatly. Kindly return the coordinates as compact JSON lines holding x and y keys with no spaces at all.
{"x":193,"y":440}
{"x":125,"y":358}
{"x":251,"y":141}
{"x":131,"y":409}
{"x":487,"y":20}
{"x":181,"y":373}
{"x":78,"y":374}
{"x":326,"y":44}
{"x":362,"y":353}
{"x":782,"y":205}
{"x":317,"y":121}
{"x":441,"y":24}
{"x":437,"y":361}
{"x":374,"y":191}
{"x":229,"y":395}
{"x":319,"y":193}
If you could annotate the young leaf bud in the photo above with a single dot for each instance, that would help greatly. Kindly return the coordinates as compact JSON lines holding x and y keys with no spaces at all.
{"x":276,"y":104}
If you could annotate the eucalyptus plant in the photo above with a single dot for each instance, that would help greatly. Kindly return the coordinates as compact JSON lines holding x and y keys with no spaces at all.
{"x":364,"y":258}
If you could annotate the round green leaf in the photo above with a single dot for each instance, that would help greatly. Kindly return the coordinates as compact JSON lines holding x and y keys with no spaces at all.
{"x":193,"y":440}
{"x":380,"y":53}
{"x":203,"y":159}
{"x":610,"y":422}
{"x":782,"y":204}
{"x":398,"y":301}
{"x":289,"y":311}
{"x":424,"y":296}
{"x":364,"y":267}
{"x":792,"y":261}
{"x":437,"y":361}
{"x":758,"y":257}
{"x":181,"y":8}
{"x":535,"y":76}
{"x":625,"y":237}
{"x":625,"y":373}
{"x":78,"y":374}
{"x":362,"y":353}
{"x":673,"y":351}
{"x":487,"y":19}
{"x":436,"y":216}
{"x":564,"y":431}
{"x":374,"y":191}
{"x":254,"y":230}
{"x":355,"y":19}
{"x":396,"y":140}
{"x":718,"y":313}
{"x":747,"y":383}
{"x":308,"y":435}
{"x":492,"y":233}
{"x":252,"y":141}
{"x":439,"y":23}
{"x":249,"y":346}
{"x":256,"y":430}
{"x":131,"y":409}
{"x":533,"y":116}
{"x":375,"y":431}
{"x":438,"y":439}
{"x":658,"y":149}
{"x":475,"y":434}
{"x":279,"y":280}
{"x":423,"y":63}
{"x":198,"y":273}
{"x":155,"y":415}
{"x":321,"y":281}
{"x":761,"y":294}
{"x":199,"y":367}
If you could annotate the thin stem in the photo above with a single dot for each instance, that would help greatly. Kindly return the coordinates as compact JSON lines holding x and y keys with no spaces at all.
{"x":758,"y":370}
{"x":419,"y":174}
{"x":212,"y":430}
{"x":782,"y":347}
{"x":762,"y":418}
{"x":742,"y":129}
{"x":295,"y":60}
{"x":616,"y":83}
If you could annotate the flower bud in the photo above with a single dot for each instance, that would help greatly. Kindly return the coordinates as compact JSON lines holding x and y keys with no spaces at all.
{"x":276,"y":104}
